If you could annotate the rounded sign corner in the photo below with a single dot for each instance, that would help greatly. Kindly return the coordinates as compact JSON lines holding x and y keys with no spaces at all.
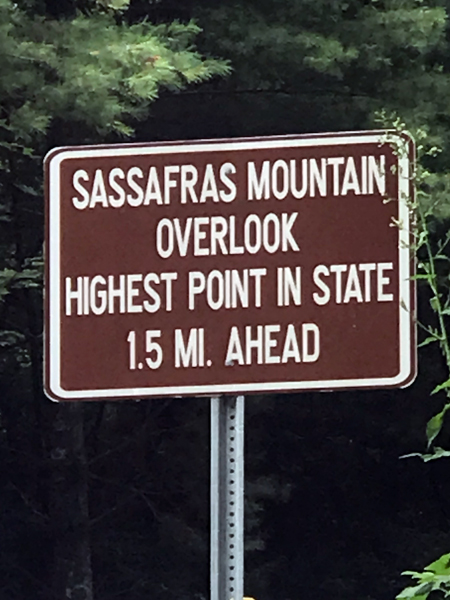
{"x":56,"y":393}
{"x":408,"y":137}
{"x":54,"y":152}
{"x":54,"y":397}
{"x":403,"y":139}
{"x":406,"y":376}
{"x":410,"y":379}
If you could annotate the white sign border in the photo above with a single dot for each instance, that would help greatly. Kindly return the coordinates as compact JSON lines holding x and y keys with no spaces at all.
{"x":53,"y":348}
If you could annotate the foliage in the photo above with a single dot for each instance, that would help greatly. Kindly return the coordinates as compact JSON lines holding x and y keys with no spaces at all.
{"x":87,"y":77}
{"x":433,"y":262}
{"x":434,"y":578}
{"x":338,"y":62}
{"x":90,"y":70}
{"x":85,"y":71}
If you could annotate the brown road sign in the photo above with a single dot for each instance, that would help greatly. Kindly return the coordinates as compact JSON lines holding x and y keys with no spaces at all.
{"x":229,"y":266}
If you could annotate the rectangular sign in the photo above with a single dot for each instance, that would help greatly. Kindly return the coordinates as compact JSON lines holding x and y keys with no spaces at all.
{"x":230,"y":266}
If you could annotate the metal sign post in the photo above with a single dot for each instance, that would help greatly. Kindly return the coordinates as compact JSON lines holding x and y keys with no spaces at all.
{"x":227,"y":498}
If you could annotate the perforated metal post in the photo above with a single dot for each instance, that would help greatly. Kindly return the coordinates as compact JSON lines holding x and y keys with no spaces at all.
{"x":227,"y":498}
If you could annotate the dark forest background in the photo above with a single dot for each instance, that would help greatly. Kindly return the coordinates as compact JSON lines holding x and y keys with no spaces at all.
{"x":111,"y":500}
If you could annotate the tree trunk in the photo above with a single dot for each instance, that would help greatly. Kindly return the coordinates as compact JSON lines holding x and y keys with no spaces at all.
{"x":69,"y":514}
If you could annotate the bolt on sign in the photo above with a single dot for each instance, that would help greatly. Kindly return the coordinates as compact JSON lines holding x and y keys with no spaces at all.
{"x":231,"y":266}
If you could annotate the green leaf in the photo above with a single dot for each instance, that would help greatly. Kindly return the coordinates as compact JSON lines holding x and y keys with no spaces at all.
{"x":415,"y":596}
{"x":434,"y":425}
{"x":442,"y":257}
{"x":427,"y":276}
{"x":441,"y":566}
{"x":424,"y":590}
{"x":437,"y":453}
{"x":114,"y":4}
{"x":434,"y":303}
{"x":420,"y":591}
{"x":428,"y":340}
{"x":422,"y":238}
{"x":441,"y":386}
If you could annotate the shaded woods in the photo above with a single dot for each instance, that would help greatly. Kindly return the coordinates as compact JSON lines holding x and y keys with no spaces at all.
{"x":111,"y":500}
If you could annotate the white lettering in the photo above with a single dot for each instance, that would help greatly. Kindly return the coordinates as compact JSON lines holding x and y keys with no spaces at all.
{"x":81,"y":174}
